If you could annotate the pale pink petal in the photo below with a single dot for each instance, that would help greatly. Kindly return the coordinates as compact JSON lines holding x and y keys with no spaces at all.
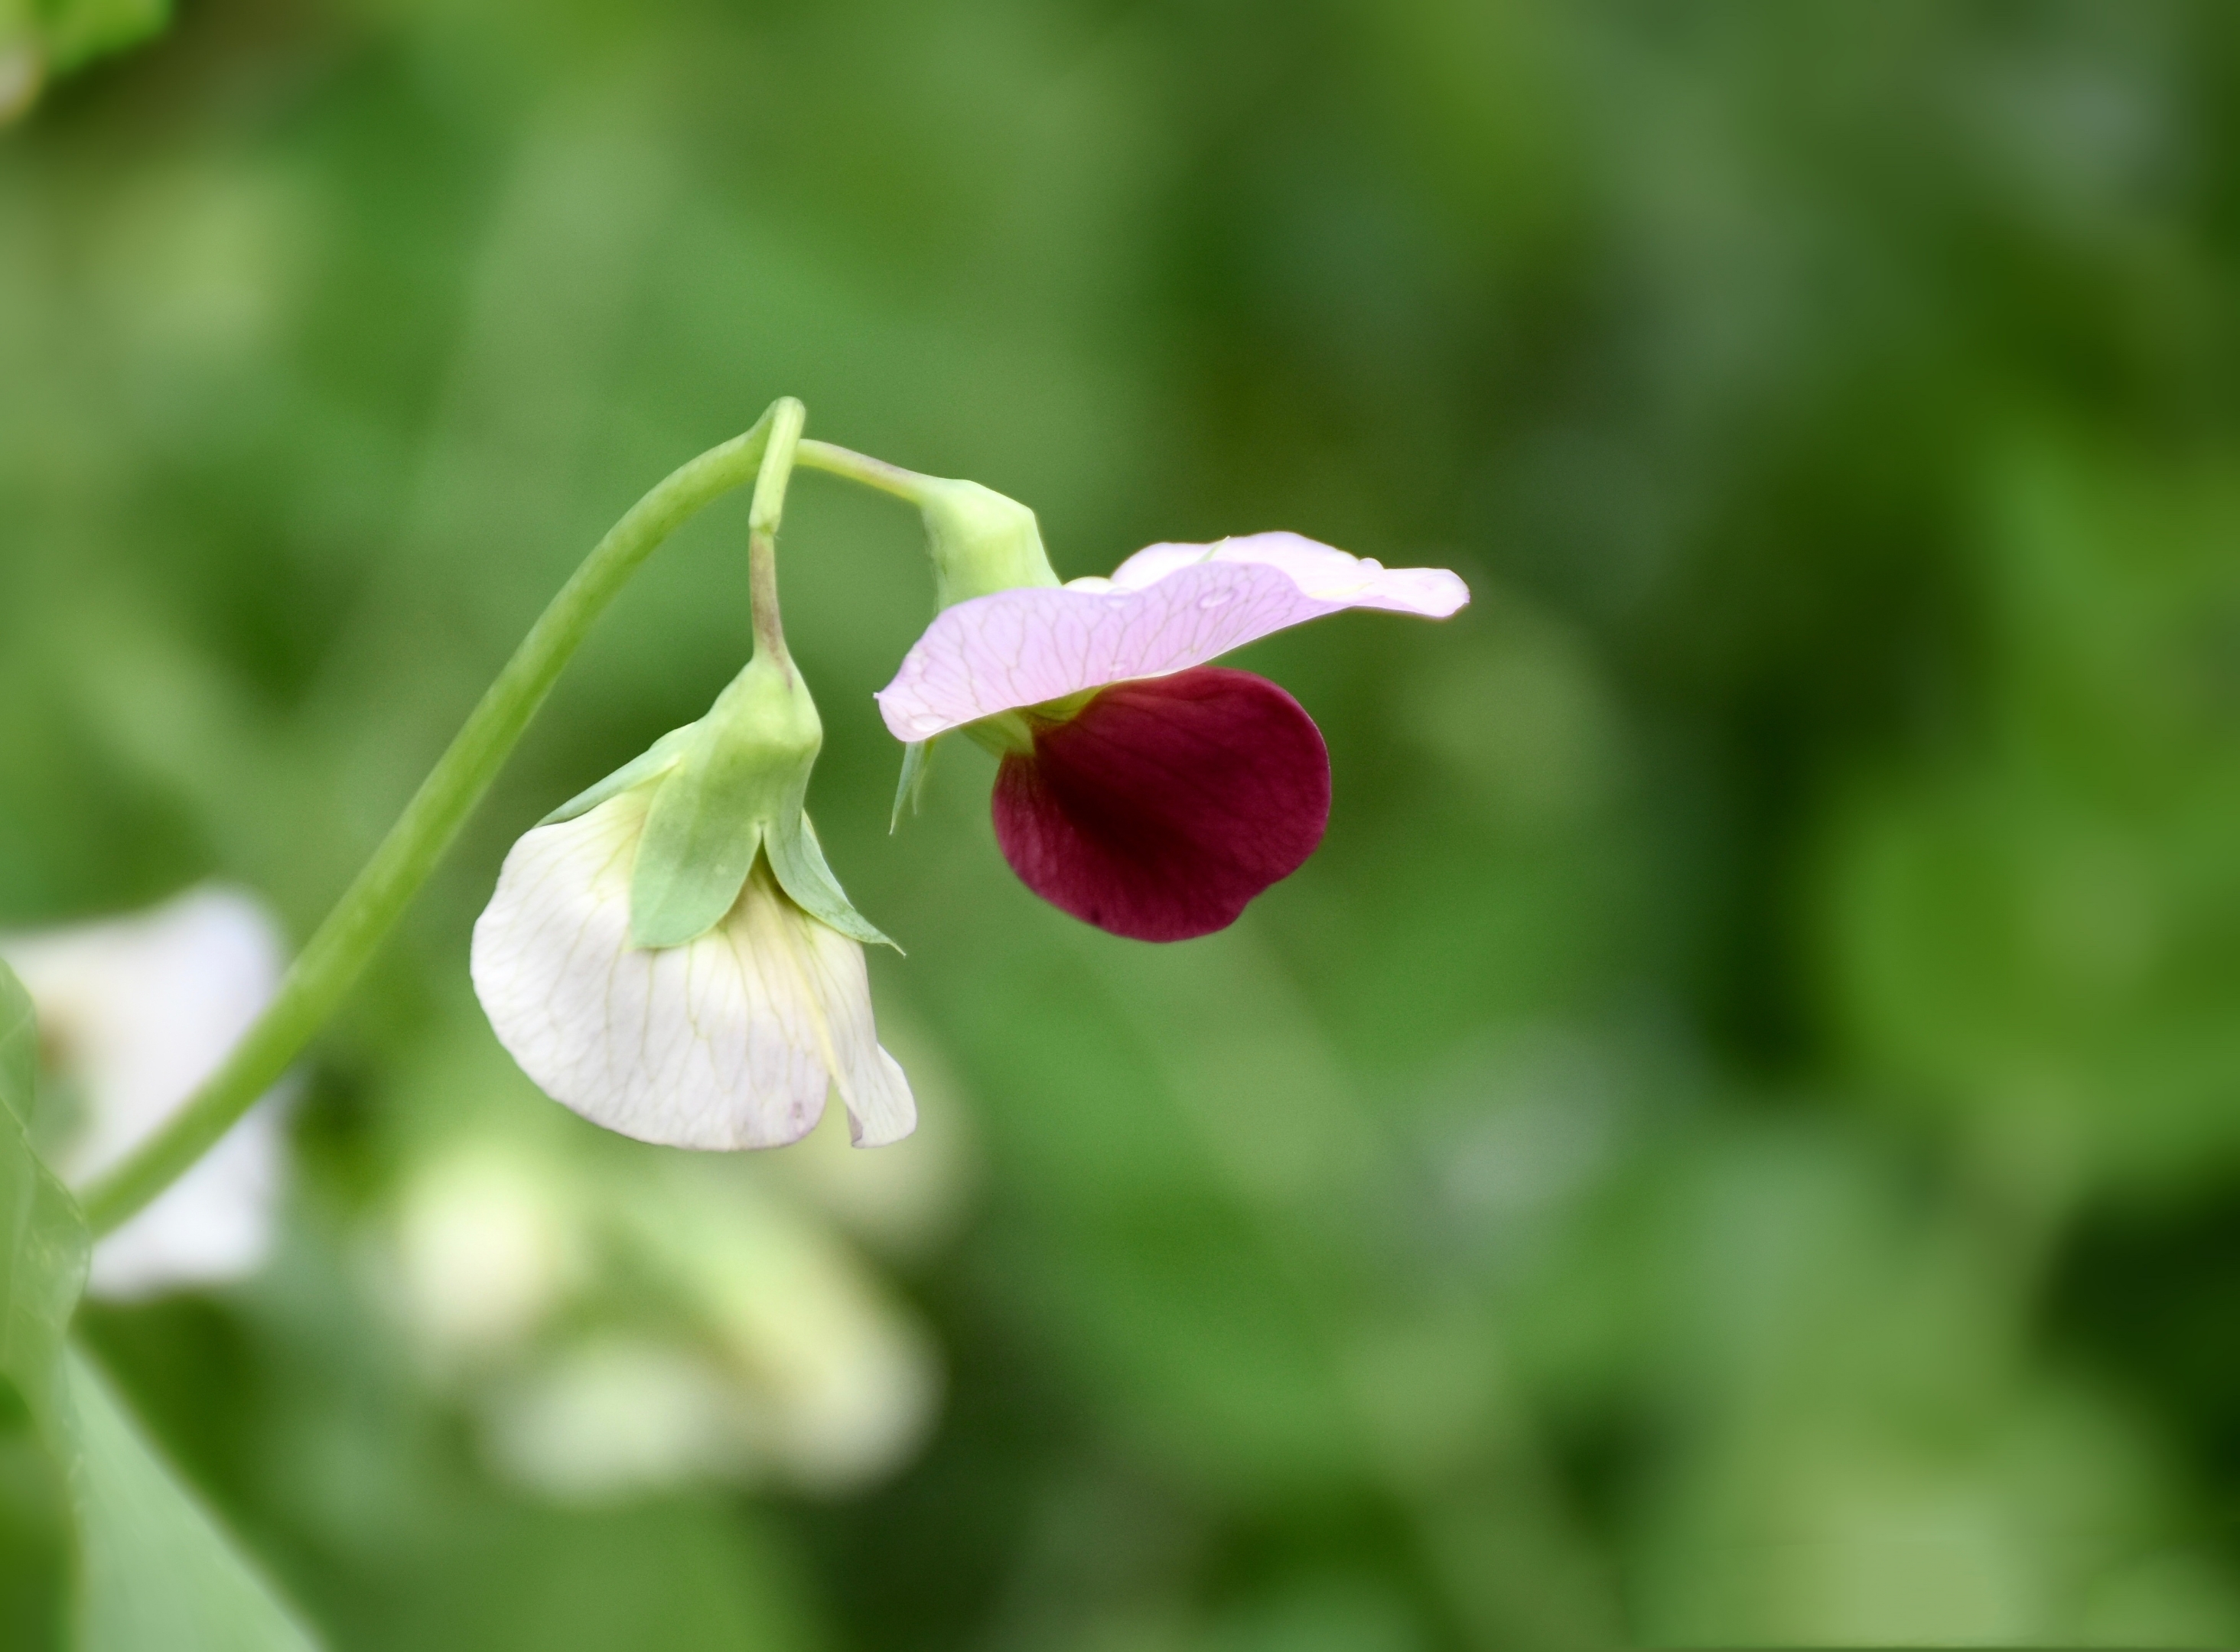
{"x":1165,"y":610}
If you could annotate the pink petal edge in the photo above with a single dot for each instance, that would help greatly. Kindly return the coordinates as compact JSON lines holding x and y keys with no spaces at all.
{"x":1165,"y":610}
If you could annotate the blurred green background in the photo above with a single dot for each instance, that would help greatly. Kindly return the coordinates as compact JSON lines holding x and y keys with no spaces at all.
{"x":1736,"y":1136}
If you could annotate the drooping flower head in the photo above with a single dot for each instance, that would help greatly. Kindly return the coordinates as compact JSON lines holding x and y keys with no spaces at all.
{"x":1141,"y":789}
{"x":670,"y":955}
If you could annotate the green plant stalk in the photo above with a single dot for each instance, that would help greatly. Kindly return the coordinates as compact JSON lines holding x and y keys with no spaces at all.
{"x":345,"y":943}
{"x":861,"y":467}
{"x":783,"y":424}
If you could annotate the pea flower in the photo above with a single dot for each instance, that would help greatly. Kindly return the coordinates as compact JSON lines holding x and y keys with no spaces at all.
{"x":1141,"y":789}
{"x":668,"y":954}
{"x":133,"y":1013}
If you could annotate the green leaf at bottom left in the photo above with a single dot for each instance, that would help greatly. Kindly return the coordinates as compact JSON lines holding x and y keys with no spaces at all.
{"x":44,"y":1268}
{"x":155,"y":1568}
{"x":156,"y":1572}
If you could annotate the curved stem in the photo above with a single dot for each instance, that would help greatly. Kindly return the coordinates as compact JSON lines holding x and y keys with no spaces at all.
{"x":979,"y":541}
{"x":344,"y":944}
{"x":861,"y":467}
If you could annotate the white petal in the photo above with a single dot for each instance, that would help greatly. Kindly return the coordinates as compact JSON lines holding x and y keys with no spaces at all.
{"x":906,"y":1200}
{"x":1165,"y":610}
{"x":140,"y":1010}
{"x":726,"y":1042}
{"x":870,"y":1082}
{"x":829,"y":970}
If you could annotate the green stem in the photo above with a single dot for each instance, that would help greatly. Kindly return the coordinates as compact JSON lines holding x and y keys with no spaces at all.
{"x":979,"y":540}
{"x":369,"y":908}
{"x":861,"y":467}
{"x":784,"y":419}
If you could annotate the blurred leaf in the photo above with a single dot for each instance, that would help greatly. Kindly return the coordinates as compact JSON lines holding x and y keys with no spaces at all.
{"x":78,"y":29}
{"x":156,"y":1571}
{"x":19,"y":1045}
{"x":643,"y":1578}
{"x":40,"y":39}
{"x":48,"y":1246}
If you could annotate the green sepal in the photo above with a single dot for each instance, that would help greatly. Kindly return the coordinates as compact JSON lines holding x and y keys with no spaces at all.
{"x":910,"y":789}
{"x":694,"y":857}
{"x":980,"y":542}
{"x":798,"y":861}
{"x":657,"y":758}
{"x":744,"y":768}
{"x":728,"y":787}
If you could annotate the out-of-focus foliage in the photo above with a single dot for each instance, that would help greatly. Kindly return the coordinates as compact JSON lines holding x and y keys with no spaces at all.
{"x":42,"y":38}
{"x":46,"y":1265}
{"x":1737,"y":1134}
{"x":151,"y":1569}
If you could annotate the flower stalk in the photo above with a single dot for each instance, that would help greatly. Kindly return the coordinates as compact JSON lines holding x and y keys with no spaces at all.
{"x":784,"y":419}
{"x":338,"y":952}
{"x":979,"y":541}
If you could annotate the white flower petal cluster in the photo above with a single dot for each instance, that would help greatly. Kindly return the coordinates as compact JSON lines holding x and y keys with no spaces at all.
{"x":730,"y":1041}
{"x":133,"y":1013}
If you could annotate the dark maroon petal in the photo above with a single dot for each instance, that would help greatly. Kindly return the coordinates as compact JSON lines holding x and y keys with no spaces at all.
{"x":1167,"y":803}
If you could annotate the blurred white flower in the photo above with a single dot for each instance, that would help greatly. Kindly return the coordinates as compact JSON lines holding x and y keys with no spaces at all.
{"x":837,"y":1383}
{"x":616,"y":1415}
{"x":20,"y":75}
{"x":486,"y":1248}
{"x":133,"y":1013}
{"x":618,"y":1332}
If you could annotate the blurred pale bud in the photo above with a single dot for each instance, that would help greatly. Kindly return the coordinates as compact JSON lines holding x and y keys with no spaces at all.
{"x":21,"y":73}
{"x":838,"y":1384}
{"x":615,"y":1418}
{"x":617,"y":1332}
{"x":133,"y":1013}
{"x":487,"y":1244}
